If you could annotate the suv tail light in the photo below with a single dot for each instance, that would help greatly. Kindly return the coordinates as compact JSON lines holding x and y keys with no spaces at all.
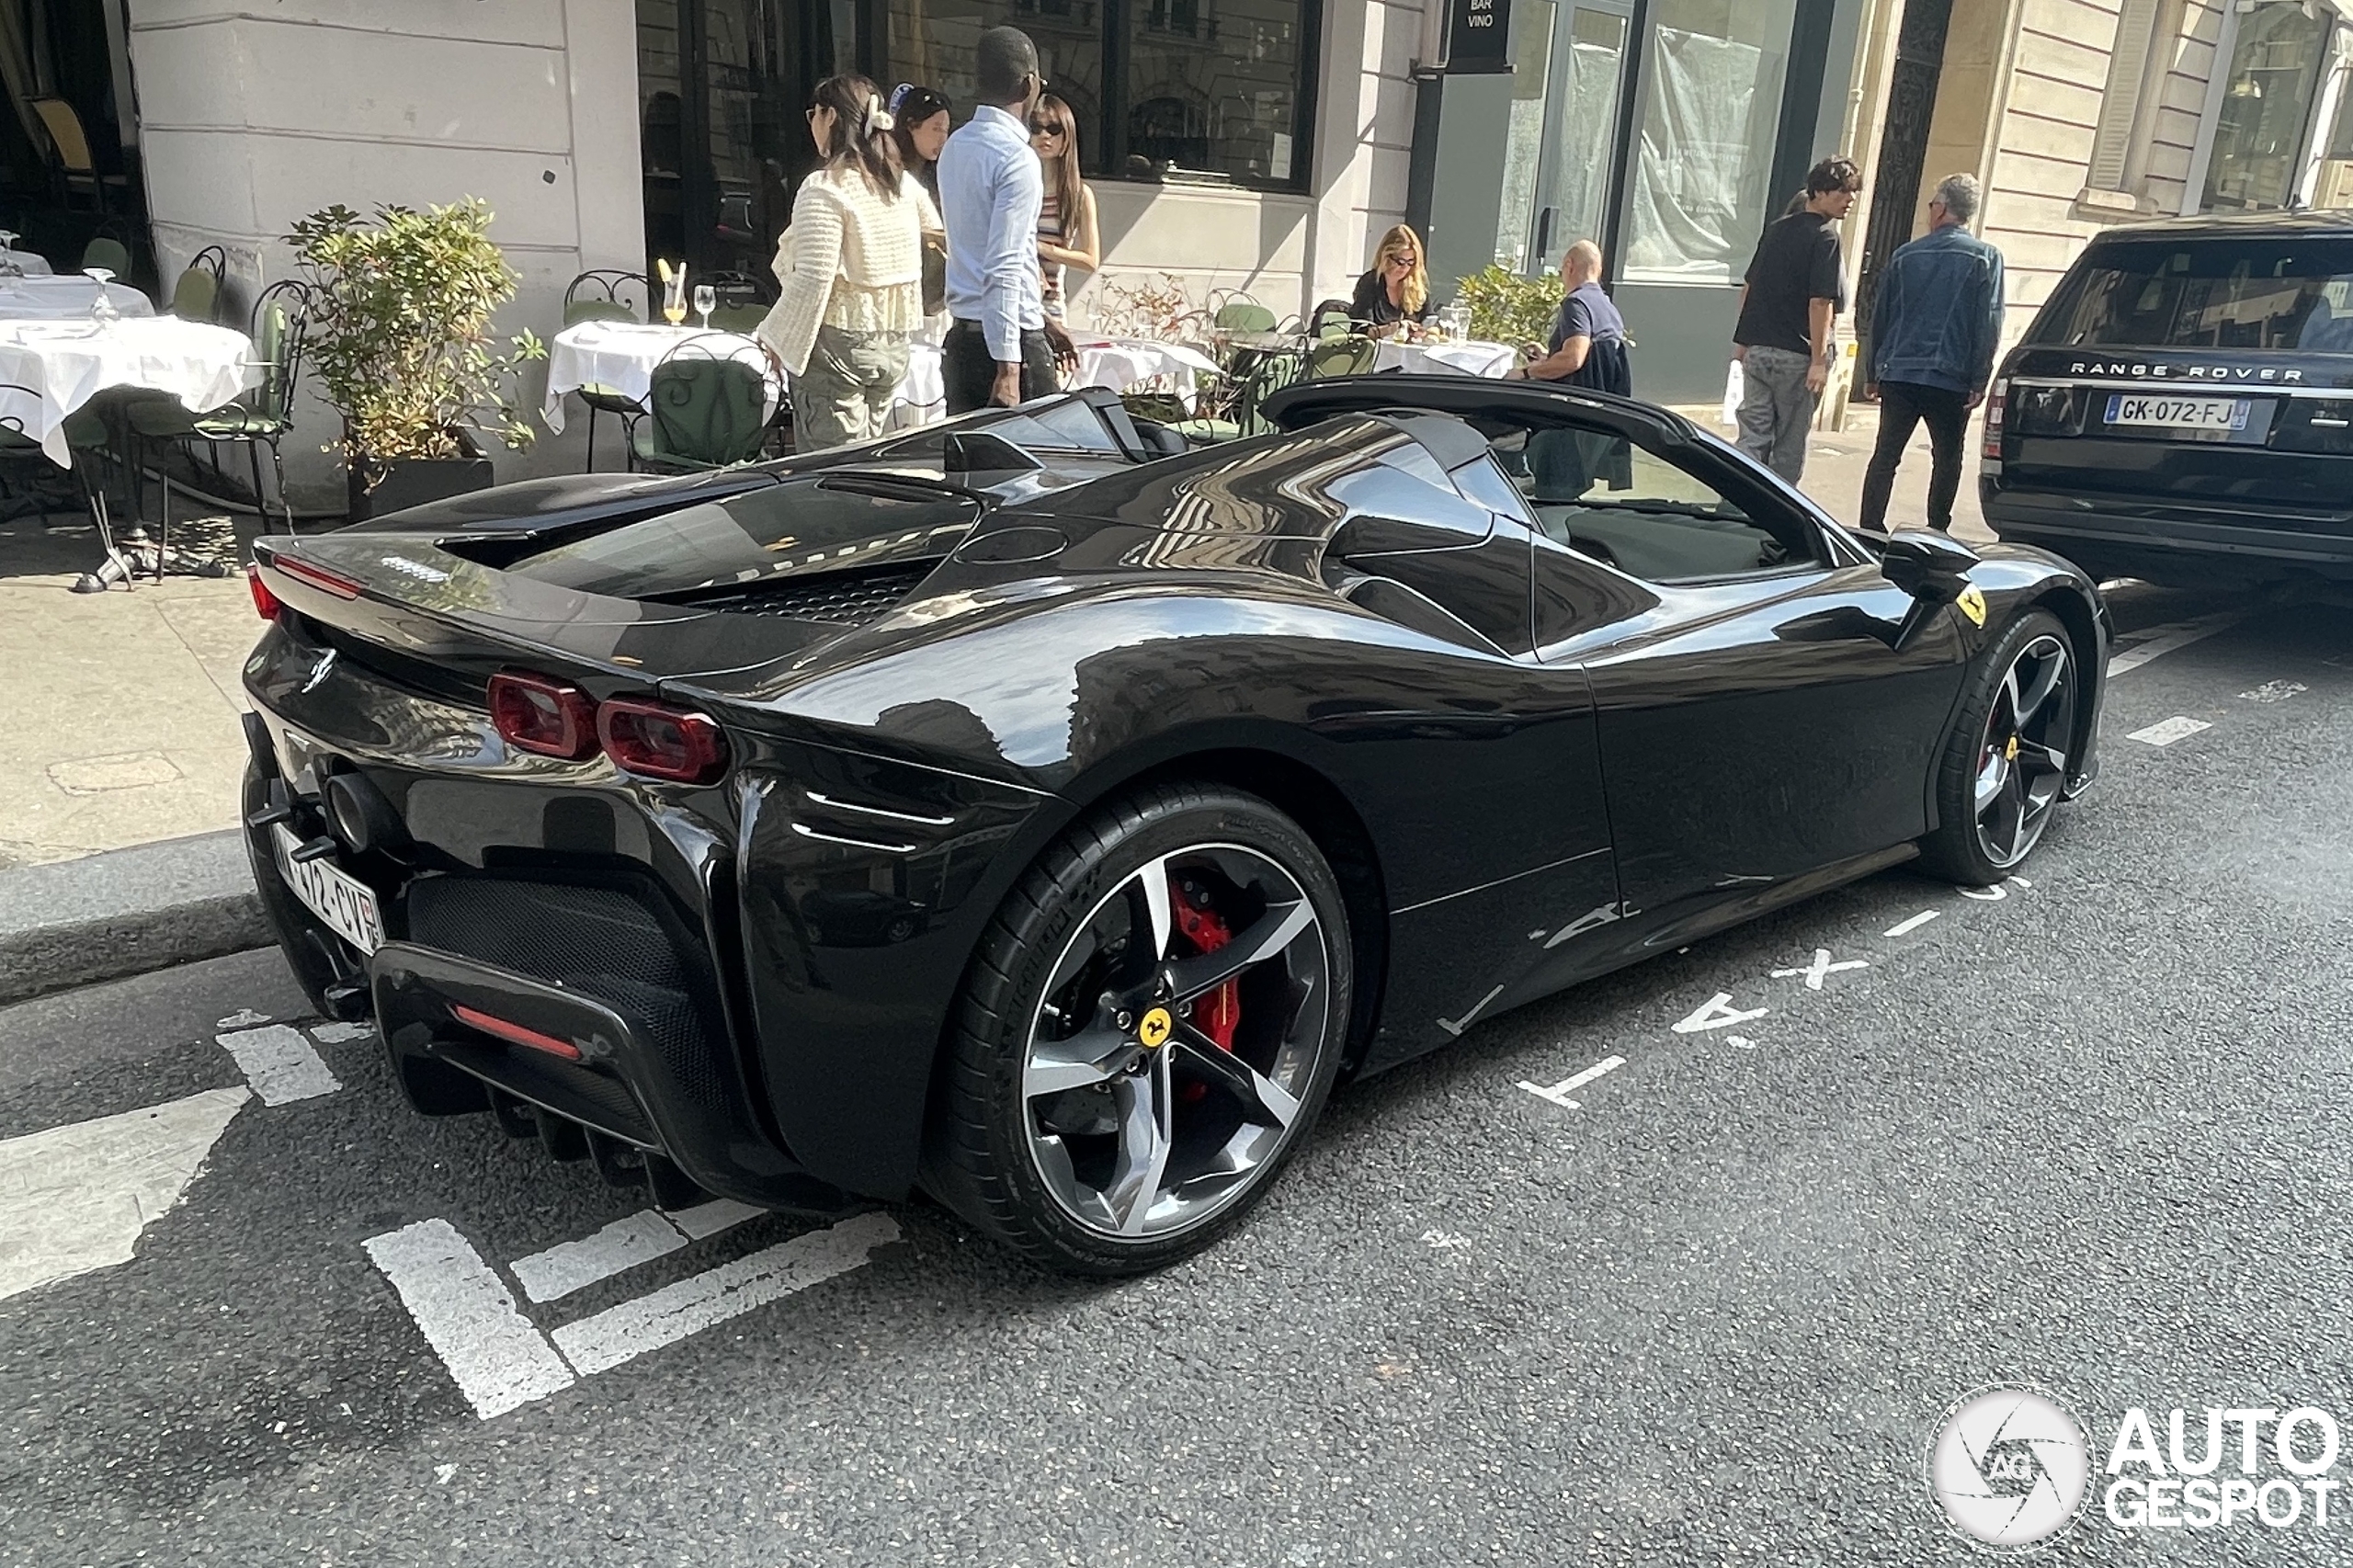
{"x":533,"y":713}
{"x":266,"y":604}
{"x":655,"y":742}
{"x":1995,"y":399}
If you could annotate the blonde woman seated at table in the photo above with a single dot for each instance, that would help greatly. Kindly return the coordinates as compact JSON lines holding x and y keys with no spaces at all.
{"x":1394,"y":298}
{"x":1067,"y":233}
{"x":851,"y":267}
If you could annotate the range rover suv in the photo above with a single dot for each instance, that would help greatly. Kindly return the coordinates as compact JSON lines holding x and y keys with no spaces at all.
{"x":2182,"y":408}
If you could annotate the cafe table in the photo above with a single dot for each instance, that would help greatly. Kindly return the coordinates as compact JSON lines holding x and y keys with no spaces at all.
{"x":51,"y":368}
{"x":622,"y":355}
{"x":1474,"y":358}
{"x":1114,"y":363}
{"x":70,"y":298}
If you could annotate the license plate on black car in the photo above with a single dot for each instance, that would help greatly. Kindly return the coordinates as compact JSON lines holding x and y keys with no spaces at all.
{"x":2169,"y":413}
{"x":335,"y":895}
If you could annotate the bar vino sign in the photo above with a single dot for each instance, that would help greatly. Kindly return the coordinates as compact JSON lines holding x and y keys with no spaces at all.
{"x":1481,"y":37}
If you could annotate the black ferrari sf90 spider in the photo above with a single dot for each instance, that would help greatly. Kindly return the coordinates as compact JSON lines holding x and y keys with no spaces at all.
{"x":1039,"y":812}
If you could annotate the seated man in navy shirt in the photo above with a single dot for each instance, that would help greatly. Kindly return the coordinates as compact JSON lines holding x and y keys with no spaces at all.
{"x":1588,"y":348}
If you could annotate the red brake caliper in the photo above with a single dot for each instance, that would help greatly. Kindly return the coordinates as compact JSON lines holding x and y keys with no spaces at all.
{"x":1216,"y":1013}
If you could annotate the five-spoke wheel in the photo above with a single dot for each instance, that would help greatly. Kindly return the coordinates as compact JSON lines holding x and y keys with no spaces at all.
{"x":1156,"y":1018}
{"x":2008,"y":761}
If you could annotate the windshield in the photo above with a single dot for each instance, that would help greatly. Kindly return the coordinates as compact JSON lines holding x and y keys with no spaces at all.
{"x":2261,"y":293}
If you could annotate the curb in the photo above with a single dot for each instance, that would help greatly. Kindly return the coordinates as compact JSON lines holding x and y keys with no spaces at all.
{"x":126,"y":912}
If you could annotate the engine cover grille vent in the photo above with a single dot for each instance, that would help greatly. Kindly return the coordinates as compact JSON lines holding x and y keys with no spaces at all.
{"x":839,"y":598}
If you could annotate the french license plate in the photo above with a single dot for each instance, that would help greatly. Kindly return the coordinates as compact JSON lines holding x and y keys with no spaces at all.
{"x":2177,"y":413}
{"x":342,"y":900}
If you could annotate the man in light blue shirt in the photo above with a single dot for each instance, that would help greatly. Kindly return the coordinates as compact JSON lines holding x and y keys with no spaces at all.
{"x":999,"y":348}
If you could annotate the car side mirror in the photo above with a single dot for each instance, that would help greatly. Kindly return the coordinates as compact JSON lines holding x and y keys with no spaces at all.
{"x":1932,"y":567}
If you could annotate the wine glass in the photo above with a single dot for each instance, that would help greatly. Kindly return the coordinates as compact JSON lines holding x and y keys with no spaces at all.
{"x":706,"y":302}
{"x":9,"y":265}
{"x":103,"y":312}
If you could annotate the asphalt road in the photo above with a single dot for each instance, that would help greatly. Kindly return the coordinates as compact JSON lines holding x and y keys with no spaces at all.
{"x":2087,"y":1134}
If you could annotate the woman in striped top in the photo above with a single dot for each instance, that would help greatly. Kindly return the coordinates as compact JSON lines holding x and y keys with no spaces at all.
{"x":852,"y":270}
{"x":1067,"y":234}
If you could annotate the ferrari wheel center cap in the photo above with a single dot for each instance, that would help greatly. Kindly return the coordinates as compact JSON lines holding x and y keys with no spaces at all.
{"x":1153,"y":1029}
{"x":2010,"y":753}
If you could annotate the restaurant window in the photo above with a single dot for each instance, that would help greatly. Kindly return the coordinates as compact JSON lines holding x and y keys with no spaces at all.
{"x":2266,"y":105}
{"x":721,"y":88}
{"x":1709,"y":114}
{"x":1161,"y":89}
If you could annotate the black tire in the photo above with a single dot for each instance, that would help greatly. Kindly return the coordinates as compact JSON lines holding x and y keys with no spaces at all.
{"x":993,"y":1135}
{"x":287,"y":917}
{"x":1975,"y":847}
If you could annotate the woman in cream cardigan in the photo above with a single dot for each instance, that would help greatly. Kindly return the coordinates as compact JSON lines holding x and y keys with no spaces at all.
{"x":852,"y":270}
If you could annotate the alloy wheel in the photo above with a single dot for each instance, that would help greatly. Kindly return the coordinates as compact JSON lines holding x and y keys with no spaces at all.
{"x":1180,"y":1029}
{"x":2022,"y":760}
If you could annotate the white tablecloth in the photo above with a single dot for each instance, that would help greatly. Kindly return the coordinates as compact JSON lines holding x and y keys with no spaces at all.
{"x":1117,"y":363}
{"x":51,"y":368}
{"x":621,"y":355}
{"x":1472,"y":359}
{"x":30,"y":265}
{"x":66,"y":299}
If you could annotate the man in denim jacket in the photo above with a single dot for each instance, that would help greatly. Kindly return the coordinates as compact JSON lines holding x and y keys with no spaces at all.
{"x":1934,"y":331}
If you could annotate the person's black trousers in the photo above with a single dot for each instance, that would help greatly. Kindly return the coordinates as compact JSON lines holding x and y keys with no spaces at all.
{"x":1903,"y":406}
{"x":967,"y":374}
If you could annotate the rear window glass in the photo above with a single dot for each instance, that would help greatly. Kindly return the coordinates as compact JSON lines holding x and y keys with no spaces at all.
{"x":2276,"y":293}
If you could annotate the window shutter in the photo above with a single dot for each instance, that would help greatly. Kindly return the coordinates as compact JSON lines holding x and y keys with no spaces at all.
{"x":2119,"y":105}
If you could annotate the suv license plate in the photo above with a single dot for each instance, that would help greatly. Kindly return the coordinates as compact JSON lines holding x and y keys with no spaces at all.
{"x":335,"y":895}
{"x":2179,"y":413}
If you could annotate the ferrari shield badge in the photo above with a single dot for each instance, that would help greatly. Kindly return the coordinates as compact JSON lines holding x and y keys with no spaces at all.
{"x":1153,"y":1028}
{"x":1972,"y":605}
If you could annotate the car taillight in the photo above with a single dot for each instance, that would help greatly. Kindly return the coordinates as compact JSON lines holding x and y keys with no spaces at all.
{"x":265,"y":603}
{"x":655,"y":742}
{"x":318,"y":577}
{"x":533,"y":713}
{"x":1995,"y":399}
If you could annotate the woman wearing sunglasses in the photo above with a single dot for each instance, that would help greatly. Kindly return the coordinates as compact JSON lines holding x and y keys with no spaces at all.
{"x":1067,"y":235}
{"x":1394,"y":297}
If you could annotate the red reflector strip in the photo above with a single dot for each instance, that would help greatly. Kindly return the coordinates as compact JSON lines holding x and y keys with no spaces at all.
{"x":515,"y":1034}
{"x":318,"y":577}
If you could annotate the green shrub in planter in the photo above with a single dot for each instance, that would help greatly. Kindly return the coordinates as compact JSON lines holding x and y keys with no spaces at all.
{"x":400,"y":335}
{"x":1508,"y":308}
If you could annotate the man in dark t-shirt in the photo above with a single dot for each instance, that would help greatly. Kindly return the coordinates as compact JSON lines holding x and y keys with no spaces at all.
{"x":1790,"y":302}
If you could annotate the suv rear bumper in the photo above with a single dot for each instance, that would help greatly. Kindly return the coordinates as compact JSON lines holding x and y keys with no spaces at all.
{"x":2121,"y":530}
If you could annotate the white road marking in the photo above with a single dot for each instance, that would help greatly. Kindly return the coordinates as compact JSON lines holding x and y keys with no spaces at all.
{"x":442,"y":1473}
{"x":1740,"y":1041}
{"x":75,"y":1199}
{"x":280,"y":1063}
{"x":2023,"y":882}
{"x":572,"y":1265}
{"x":1559,"y":1092}
{"x":342,"y":1034}
{"x":499,"y":1360}
{"x":1717,"y":1013}
{"x":243,"y":1019}
{"x":2274,"y":691}
{"x":621,"y":1334}
{"x":1905,"y":927}
{"x":2159,"y":641}
{"x":1993,"y":893}
{"x":1821,"y":967}
{"x":710,"y":1218}
{"x":2166,"y":731}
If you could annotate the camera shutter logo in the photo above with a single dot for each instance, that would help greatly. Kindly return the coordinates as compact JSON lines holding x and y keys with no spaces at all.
{"x":2009,"y":1467}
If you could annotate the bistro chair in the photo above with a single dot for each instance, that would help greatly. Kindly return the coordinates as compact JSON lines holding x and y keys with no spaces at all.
{"x":85,"y":441}
{"x":262,"y":417}
{"x":1242,"y":313}
{"x":76,"y":171}
{"x":744,"y":318}
{"x":707,"y":408}
{"x":1239,"y":415}
{"x":608,"y":293}
{"x":1341,"y":357}
{"x":1331,"y":319}
{"x":105,"y":250}
{"x":198,"y":294}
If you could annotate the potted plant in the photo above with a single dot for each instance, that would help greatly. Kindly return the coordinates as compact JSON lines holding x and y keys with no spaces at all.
{"x":1508,"y":308}
{"x":399,"y":335}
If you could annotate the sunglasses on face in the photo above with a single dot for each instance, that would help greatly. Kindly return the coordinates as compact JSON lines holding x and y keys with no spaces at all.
{"x":1036,"y":129}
